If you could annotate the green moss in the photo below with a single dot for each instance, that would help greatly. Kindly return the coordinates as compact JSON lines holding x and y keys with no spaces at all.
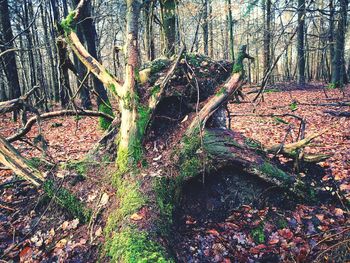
{"x":68,"y":24}
{"x":34,"y":162}
{"x":129,"y":158}
{"x":127,"y":103}
{"x":80,"y":167}
{"x":196,"y":59}
{"x":258,"y":234}
{"x":252,"y":143}
{"x":155,"y":90}
{"x":112,"y":88}
{"x":221,"y":92}
{"x":273,"y":171}
{"x":280,"y":120}
{"x":238,"y":66}
{"x":271,"y":90}
{"x":158,"y":65}
{"x":134,"y":246}
{"x":167,"y":196}
{"x":130,"y":200}
{"x":67,"y":200}
{"x":103,"y":122}
{"x":293,"y":106}
{"x":190,"y":162}
{"x":78,"y":118}
{"x":110,"y":74}
{"x":300,"y":186}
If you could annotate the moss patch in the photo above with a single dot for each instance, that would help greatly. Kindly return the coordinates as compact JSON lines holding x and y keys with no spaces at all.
{"x":130,"y":201}
{"x":68,"y":24}
{"x":80,"y":167}
{"x":103,"y":122}
{"x":131,"y":246}
{"x":273,"y":171}
{"x":67,"y":200}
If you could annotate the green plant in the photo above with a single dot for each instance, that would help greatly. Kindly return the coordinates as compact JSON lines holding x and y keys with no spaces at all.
{"x":280,"y":120}
{"x":258,"y":234}
{"x":293,"y":106}
{"x":333,"y":85}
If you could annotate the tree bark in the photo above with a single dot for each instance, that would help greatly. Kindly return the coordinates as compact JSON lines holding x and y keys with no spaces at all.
{"x":168,"y":14}
{"x":300,"y":43}
{"x":338,"y":62}
{"x":9,"y":59}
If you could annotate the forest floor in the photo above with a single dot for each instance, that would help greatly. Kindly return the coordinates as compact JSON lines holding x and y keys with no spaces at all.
{"x":33,"y":229}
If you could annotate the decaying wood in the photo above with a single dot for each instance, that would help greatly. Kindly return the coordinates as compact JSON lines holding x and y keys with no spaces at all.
{"x":16,"y":104}
{"x":11,"y":158}
{"x":54,"y":114}
{"x":214,"y":102}
{"x":290,"y":149}
{"x":338,"y":113}
{"x":230,"y":149}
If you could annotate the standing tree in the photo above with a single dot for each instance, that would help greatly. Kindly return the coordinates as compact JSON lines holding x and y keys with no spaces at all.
{"x":168,"y":15}
{"x":338,"y":62}
{"x":300,"y":42}
{"x":267,"y":35}
{"x":8,"y":60}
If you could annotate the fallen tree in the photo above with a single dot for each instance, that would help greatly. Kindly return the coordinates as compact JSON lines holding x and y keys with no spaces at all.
{"x":27,"y":127}
{"x":185,"y":93}
{"x":145,"y":204}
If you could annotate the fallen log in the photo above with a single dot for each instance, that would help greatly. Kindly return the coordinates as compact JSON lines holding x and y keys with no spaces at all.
{"x":17,"y":104}
{"x":338,"y":113}
{"x":12,"y":159}
{"x":291,"y":149}
{"x":54,"y":114}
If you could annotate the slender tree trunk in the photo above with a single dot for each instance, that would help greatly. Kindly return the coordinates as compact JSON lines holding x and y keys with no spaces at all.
{"x":230,"y":27}
{"x":9,"y":59}
{"x":300,"y":43}
{"x":267,"y":35}
{"x":205,"y":27}
{"x":211,"y":32}
{"x":149,"y":40}
{"x":168,"y":14}
{"x":331,"y":38}
{"x":338,"y":63}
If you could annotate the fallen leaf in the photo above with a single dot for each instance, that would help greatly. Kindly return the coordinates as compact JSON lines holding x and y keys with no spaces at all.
{"x":136,"y":217}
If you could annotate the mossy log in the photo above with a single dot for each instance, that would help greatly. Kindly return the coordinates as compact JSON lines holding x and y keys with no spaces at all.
{"x":23,"y":168}
{"x":12,"y":159}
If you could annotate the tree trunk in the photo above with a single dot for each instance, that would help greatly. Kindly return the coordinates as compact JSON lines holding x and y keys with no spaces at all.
{"x":9,"y":59}
{"x":148,"y":14}
{"x":300,"y":43}
{"x":230,"y":27}
{"x":338,"y":62}
{"x":205,"y":27}
{"x":168,"y":14}
{"x":267,"y":35}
